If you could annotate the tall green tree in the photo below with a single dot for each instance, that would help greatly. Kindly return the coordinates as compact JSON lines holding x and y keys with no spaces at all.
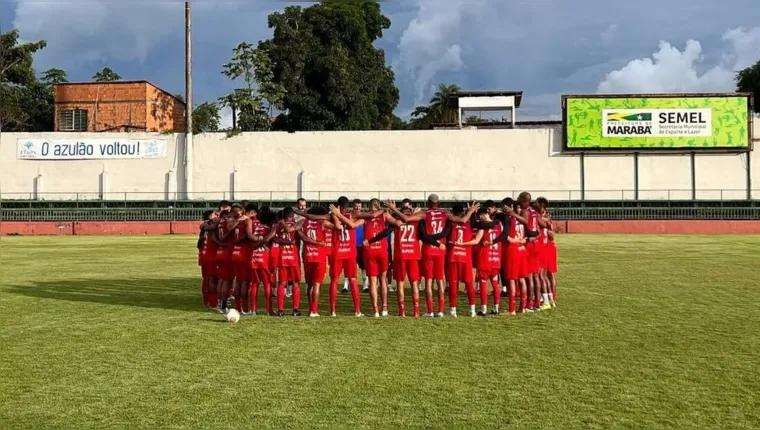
{"x":748,"y":80}
{"x":106,"y":75}
{"x":54,"y":76}
{"x":18,"y":82}
{"x":437,"y":109}
{"x":247,"y":104}
{"x":322,"y":62}
{"x":206,"y":118}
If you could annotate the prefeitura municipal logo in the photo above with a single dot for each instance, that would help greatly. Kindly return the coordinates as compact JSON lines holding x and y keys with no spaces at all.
{"x":628,"y":123}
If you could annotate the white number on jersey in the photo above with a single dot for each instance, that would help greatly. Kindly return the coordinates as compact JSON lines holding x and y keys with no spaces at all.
{"x":345,"y":235}
{"x":460,"y":235}
{"x":492,"y":235}
{"x":437,"y":226}
{"x":407,"y":233}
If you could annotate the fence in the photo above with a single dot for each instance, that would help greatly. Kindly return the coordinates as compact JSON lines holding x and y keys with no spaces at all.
{"x":270,"y":197}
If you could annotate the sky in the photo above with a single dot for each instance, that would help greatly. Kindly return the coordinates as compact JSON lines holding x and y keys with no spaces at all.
{"x":545,"y":48}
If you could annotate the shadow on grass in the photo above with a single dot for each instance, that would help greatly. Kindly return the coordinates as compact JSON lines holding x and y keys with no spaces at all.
{"x":172,"y":293}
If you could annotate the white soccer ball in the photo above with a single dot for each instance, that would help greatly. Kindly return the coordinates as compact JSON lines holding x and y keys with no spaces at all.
{"x":232,"y":316}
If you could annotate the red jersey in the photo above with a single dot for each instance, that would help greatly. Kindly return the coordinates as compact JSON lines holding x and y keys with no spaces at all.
{"x":260,"y":255}
{"x":208,"y":247}
{"x":516,"y":231}
{"x":533,"y":226}
{"x":241,"y":251}
{"x":460,"y":232}
{"x":328,"y":238}
{"x":223,"y":252}
{"x":490,"y":255}
{"x":435,"y":221}
{"x":314,"y":230}
{"x":344,"y":241}
{"x":406,"y":242}
{"x":372,"y":228}
{"x":288,"y":253}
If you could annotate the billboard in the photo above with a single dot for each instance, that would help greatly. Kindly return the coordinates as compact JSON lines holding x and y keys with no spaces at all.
{"x":657,"y":122}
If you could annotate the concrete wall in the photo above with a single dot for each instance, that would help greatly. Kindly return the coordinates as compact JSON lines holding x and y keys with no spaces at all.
{"x":459,"y":164}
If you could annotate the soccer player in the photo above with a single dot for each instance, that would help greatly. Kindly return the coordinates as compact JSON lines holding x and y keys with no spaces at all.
{"x":260,"y":235}
{"x":241,"y":260}
{"x":459,"y":259}
{"x":206,"y":252}
{"x":516,"y":261}
{"x":535,"y":284}
{"x":489,"y":262}
{"x":433,"y":258}
{"x":227,"y":223}
{"x":290,"y":263}
{"x":550,"y":251}
{"x":314,"y":256}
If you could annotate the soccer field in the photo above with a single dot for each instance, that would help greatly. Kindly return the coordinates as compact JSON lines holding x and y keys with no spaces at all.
{"x":650,"y":331}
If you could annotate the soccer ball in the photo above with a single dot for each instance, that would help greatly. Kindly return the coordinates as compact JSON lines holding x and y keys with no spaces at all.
{"x":232,"y":316}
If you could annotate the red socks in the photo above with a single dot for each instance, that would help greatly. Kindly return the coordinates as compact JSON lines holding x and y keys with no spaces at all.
{"x":333,"y":294}
{"x":483,"y":292}
{"x":280,"y":297}
{"x":355,"y":295}
{"x":470,"y":288}
{"x":496,"y":291}
{"x":296,"y":296}
{"x":268,"y":297}
{"x":511,"y":302}
{"x":253,"y":296}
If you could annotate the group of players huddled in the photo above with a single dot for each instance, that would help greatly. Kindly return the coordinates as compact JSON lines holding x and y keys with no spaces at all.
{"x":242,"y":248}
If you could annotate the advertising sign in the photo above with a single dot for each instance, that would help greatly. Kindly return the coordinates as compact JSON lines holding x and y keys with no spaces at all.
{"x":681,"y":122}
{"x":89,"y":149}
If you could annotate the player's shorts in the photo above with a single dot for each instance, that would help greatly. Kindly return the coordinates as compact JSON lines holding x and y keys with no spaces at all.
{"x":550,"y":257}
{"x":488,"y":273}
{"x":274,"y":258}
{"x":360,"y":257}
{"x":208,"y":269}
{"x":225,"y":270}
{"x":242,"y":270}
{"x":517,"y":264}
{"x":315,"y":272}
{"x":433,"y":267}
{"x":534,"y":261}
{"x":289,"y":274}
{"x":262,"y":276}
{"x":375,"y":264}
{"x":458,"y":271}
{"x":345,"y":265}
{"x":403,"y":269}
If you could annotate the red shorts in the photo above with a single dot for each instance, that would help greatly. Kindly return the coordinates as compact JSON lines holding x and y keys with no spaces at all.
{"x":242,"y":270}
{"x":375,"y":264}
{"x":458,"y":271}
{"x":315,"y":272}
{"x":289,"y":274}
{"x":261,"y":276}
{"x":274,"y":258}
{"x":550,"y":256}
{"x":433,"y":267}
{"x":225,"y":270}
{"x":345,"y":265}
{"x":534,"y":261}
{"x":208,"y":269}
{"x":403,"y":269}
{"x":517,"y":263}
{"x":488,"y":273}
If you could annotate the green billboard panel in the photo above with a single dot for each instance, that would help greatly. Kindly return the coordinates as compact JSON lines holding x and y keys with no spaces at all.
{"x":678,"y":122}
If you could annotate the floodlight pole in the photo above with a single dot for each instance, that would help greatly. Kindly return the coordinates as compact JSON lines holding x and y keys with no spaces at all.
{"x":188,"y":167}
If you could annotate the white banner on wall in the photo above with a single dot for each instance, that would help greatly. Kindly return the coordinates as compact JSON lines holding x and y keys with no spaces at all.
{"x":90,"y":149}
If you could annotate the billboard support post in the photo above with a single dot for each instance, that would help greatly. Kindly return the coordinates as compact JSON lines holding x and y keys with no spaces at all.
{"x":749,"y":175}
{"x":693,"y":176}
{"x":583,"y":176}
{"x":635,"y":175}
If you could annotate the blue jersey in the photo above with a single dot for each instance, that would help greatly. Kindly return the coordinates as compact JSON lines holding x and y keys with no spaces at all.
{"x":359,"y":236}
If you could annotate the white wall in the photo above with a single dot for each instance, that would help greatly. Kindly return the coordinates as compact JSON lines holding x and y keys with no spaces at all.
{"x":458,"y":164}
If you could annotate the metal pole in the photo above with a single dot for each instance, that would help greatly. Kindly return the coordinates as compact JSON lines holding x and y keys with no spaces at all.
{"x":635,"y":175}
{"x":693,"y":177}
{"x":583,"y":176}
{"x":189,"y":103}
{"x":749,"y":176}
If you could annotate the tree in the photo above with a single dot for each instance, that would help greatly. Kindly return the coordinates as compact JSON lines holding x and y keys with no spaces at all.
{"x":17,"y":80}
{"x":437,"y":109}
{"x":248,"y":106}
{"x":206,"y":118}
{"x":322,"y":62}
{"x":748,"y":80}
{"x":472,"y":119}
{"x":51,"y":77}
{"x":106,"y":75}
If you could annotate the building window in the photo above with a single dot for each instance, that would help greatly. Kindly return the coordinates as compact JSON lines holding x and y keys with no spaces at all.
{"x":72,"y":120}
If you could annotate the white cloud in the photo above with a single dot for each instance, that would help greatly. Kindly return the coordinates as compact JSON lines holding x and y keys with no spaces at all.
{"x":226,"y":118}
{"x":672,"y":70}
{"x":430,"y":45}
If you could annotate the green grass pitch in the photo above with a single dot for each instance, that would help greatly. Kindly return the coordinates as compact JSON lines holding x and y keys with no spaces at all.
{"x":650,"y":332}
